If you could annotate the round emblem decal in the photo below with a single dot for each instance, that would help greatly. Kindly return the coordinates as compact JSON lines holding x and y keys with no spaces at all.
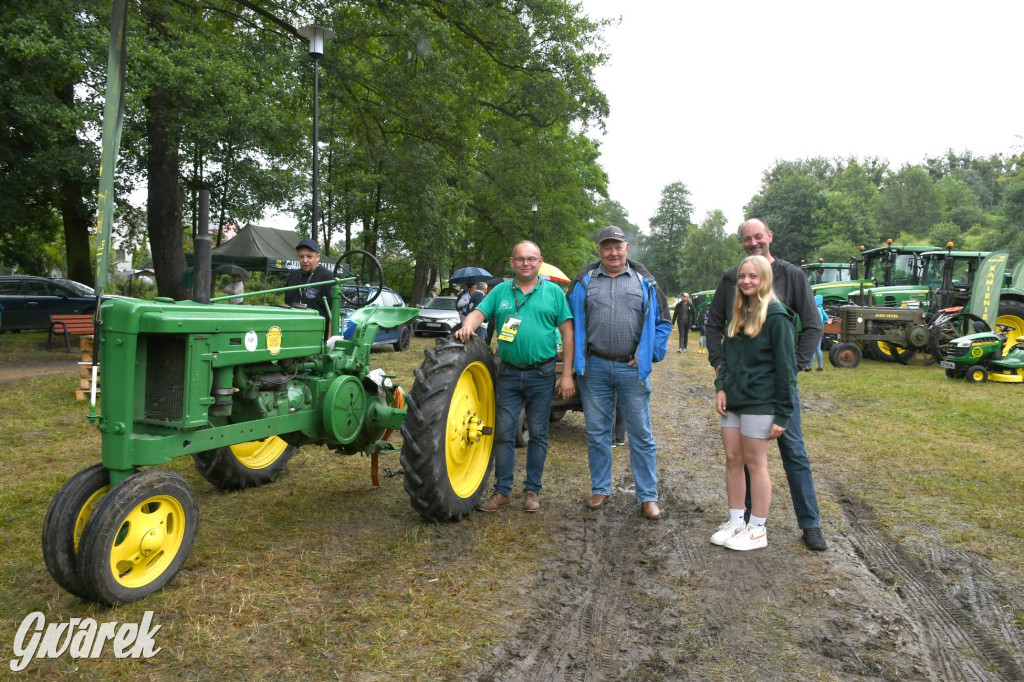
{"x":251,"y":341}
{"x":274,"y":340}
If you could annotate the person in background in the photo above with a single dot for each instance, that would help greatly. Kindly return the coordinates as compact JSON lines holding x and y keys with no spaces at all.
{"x":702,"y":339}
{"x":527,"y":310}
{"x":622,"y":325}
{"x":754,"y":396}
{"x":793,"y":291}
{"x":683,"y":313}
{"x":818,"y":355}
{"x":234,"y":287}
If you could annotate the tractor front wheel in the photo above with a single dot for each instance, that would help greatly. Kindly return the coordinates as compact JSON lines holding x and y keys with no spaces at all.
{"x":244,"y":465}
{"x":845,"y":354}
{"x":977,"y":375}
{"x":71,"y":507}
{"x":138,"y":537}
{"x":449,"y":429}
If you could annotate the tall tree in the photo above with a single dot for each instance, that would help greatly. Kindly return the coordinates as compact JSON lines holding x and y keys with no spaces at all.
{"x":662,"y":249}
{"x":708,"y":253}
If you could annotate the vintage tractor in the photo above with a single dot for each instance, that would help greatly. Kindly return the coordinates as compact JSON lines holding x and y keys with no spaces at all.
{"x":985,"y":356}
{"x":238,"y":388}
{"x":965,"y":295}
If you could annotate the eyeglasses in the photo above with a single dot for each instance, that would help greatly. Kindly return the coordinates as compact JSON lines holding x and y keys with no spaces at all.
{"x":531,"y":260}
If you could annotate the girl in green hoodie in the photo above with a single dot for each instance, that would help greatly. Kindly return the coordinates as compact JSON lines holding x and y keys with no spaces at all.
{"x":754,"y":398}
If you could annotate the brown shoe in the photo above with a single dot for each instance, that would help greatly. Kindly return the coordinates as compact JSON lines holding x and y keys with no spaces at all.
{"x":496,"y":502}
{"x":531,"y":502}
{"x":597,"y":501}
{"x":650,"y":510}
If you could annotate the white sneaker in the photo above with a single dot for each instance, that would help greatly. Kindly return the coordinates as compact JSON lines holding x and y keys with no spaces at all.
{"x":726,"y":531}
{"x":751,"y":537}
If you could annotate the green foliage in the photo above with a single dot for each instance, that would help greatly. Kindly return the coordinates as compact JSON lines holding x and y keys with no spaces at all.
{"x":707,"y":254}
{"x":662,"y":250}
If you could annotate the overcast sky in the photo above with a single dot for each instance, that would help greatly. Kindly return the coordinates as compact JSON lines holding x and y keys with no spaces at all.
{"x":711,"y":94}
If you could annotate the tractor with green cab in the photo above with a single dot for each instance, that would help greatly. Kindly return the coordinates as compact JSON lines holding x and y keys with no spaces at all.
{"x":887,"y":265}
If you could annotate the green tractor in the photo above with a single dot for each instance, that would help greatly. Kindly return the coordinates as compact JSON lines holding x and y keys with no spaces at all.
{"x":883,"y":266}
{"x":238,"y":388}
{"x":965,"y":292}
{"x":986,"y":356}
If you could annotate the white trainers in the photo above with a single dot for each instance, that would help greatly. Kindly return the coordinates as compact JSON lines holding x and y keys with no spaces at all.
{"x":751,"y":537}
{"x":726,"y":531}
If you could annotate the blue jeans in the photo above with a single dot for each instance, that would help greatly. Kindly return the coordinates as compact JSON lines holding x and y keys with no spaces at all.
{"x":514,"y":388}
{"x":798,"y":470}
{"x":604,"y":382}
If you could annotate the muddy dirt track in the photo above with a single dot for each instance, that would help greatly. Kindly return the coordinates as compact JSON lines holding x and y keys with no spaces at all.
{"x":626,"y":598}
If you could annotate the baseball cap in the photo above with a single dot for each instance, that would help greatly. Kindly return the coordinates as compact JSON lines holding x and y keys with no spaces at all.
{"x":611,"y":233}
{"x":309,"y":244}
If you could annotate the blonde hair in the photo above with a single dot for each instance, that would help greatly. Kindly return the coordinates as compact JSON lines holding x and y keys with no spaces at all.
{"x":749,"y":314}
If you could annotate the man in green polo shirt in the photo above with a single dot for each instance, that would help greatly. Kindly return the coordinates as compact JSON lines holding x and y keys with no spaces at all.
{"x":527,"y":311}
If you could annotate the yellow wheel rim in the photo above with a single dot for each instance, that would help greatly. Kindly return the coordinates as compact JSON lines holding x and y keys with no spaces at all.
{"x":471,"y":412}
{"x":259,"y":454}
{"x":148,"y":541}
{"x":1016,"y":332}
{"x":86,"y":512}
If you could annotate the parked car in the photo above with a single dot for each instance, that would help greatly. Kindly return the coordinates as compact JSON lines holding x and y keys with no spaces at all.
{"x":438,"y":317}
{"x":29,"y":301}
{"x":398,"y":338}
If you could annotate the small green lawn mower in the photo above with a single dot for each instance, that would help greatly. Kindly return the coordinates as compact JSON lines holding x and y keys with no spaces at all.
{"x":983,"y":356}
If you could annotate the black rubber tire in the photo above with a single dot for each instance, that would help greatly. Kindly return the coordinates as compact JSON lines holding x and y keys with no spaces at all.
{"x":902,"y":355}
{"x":153,"y":503}
{"x":880,"y":350}
{"x":954,"y":374}
{"x":225,"y":471}
{"x":522,"y":430}
{"x":556,"y":415}
{"x":845,"y":354}
{"x":64,"y":523}
{"x":404,"y":338}
{"x":425,"y":431}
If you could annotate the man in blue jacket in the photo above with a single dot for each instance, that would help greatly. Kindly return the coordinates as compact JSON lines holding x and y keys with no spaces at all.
{"x":621,"y":327}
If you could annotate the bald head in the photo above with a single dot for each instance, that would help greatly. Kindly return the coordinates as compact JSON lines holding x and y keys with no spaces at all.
{"x":756,"y":238}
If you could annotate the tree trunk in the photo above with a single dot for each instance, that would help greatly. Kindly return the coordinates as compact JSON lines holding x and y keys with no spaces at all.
{"x":420,"y":278}
{"x":164,"y":200}
{"x":75,"y":212}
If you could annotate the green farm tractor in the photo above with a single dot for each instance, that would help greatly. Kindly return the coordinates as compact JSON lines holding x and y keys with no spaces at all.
{"x":887,"y":265}
{"x":986,"y":356}
{"x":960,"y":293}
{"x":238,"y":388}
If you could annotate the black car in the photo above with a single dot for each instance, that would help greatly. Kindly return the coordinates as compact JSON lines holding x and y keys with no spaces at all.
{"x":29,"y":301}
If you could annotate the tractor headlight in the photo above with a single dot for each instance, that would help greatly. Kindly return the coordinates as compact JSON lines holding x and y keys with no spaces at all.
{"x":963,"y":343}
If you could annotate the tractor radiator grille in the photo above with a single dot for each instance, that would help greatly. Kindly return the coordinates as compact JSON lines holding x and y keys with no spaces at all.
{"x":957,"y":351}
{"x":165,"y":378}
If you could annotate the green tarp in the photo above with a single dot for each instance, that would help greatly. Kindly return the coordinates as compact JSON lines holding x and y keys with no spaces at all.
{"x":261,"y":249}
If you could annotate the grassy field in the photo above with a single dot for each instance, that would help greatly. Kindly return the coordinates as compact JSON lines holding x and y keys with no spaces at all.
{"x":322,"y":576}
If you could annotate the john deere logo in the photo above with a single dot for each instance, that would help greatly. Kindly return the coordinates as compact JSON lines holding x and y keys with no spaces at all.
{"x":274,"y":340}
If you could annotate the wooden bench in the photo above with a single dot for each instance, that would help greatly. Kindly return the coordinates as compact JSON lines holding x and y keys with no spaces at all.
{"x":79,"y":325}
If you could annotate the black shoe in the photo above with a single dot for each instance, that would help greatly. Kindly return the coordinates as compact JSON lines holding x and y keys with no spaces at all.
{"x":814,"y":539}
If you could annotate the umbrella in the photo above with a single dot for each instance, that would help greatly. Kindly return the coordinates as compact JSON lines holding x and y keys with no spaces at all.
{"x":549,"y":271}
{"x":469,"y":275}
{"x":493,"y":282}
{"x":232,"y":269}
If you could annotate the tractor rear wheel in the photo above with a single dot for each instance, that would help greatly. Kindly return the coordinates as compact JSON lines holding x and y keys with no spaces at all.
{"x":65,"y":519}
{"x":138,"y":537}
{"x":244,"y":465}
{"x":1011,"y":314}
{"x":880,"y":350}
{"x":845,"y":354}
{"x":449,"y":429}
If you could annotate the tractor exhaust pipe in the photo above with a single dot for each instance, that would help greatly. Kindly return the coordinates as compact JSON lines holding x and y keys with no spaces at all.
{"x":201,"y":284}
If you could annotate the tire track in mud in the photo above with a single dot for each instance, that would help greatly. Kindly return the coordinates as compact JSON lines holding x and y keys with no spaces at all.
{"x":619,"y":597}
{"x":973,"y":641}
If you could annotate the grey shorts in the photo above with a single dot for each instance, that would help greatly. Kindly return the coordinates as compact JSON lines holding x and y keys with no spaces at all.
{"x":750,"y":425}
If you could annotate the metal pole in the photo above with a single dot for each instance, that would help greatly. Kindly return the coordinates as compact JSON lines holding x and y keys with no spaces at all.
{"x":316,"y":138}
{"x":535,"y":222}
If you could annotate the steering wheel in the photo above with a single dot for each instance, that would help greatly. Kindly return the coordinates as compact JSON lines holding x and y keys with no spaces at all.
{"x":368,"y":274}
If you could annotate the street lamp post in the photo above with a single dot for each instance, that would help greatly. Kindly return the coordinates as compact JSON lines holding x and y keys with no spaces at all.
{"x":535,"y":221}
{"x":316,"y":36}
